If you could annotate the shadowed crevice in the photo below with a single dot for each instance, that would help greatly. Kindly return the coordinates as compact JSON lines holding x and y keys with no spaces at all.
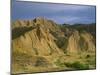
{"x":17,"y":32}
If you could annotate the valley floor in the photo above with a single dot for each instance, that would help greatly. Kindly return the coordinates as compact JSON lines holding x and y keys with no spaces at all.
{"x":33,"y":64}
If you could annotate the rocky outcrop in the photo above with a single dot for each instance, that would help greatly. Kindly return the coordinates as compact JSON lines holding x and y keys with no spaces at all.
{"x":37,"y":41}
{"x":73,"y":40}
{"x":80,"y":42}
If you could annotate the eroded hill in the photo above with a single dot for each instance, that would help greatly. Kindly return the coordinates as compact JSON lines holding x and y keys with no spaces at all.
{"x":40,"y":44}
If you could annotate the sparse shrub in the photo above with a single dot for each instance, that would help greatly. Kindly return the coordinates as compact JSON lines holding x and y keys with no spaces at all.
{"x":41,"y":62}
{"x":59,"y":63}
{"x":77,"y":65}
{"x":87,"y":56}
{"x":91,"y":61}
{"x":67,"y":64}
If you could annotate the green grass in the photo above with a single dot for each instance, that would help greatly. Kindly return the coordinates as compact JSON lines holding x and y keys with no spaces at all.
{"x":77,"y":65}
{"x":59,"y":63}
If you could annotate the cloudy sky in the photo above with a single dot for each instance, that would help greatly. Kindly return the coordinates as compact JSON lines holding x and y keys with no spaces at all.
{"x":60,"y":13}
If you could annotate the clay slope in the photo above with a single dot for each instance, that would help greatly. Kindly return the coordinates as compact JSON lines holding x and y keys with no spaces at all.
{"x":45,"y":37}
{"x":34,"y":37}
